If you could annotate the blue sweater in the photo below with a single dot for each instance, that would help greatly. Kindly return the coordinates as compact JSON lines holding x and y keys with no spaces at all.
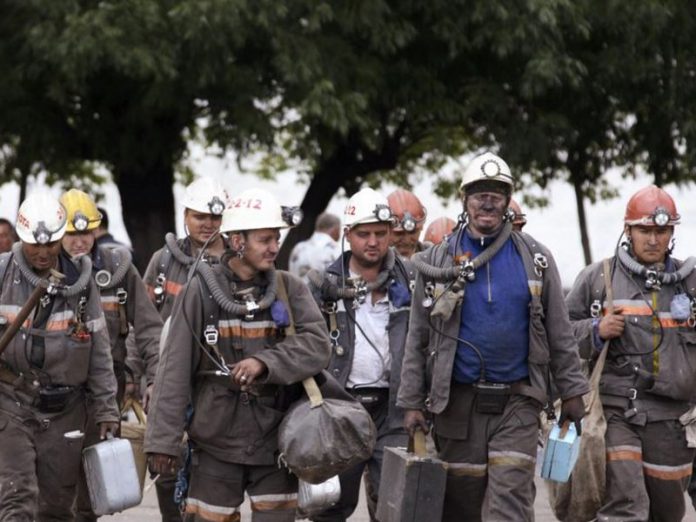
{"x":494,"y":316}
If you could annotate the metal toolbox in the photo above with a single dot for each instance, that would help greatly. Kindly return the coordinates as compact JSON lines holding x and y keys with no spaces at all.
{"x":315,"y":498}
{"x":112,"y":477}
{"x":412,"y":487}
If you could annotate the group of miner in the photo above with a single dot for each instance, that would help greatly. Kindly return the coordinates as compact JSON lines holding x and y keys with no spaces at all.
{"x":464,"y":333}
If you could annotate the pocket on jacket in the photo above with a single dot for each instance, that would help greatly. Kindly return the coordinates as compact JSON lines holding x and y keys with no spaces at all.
{"x":67,"y":359}
{"x":677,"y":368}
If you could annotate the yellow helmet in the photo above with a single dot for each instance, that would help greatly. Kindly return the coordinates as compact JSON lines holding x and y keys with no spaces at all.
{"x":82,"y":211}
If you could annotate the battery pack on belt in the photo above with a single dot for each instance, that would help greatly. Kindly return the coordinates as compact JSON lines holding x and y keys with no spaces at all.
{"x":491,"y":397}
{"x":54,"y":399}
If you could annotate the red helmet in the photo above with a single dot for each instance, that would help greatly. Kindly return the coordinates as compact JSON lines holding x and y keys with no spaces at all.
{"x":653,"y":207}
{"x":439,"y":229}
{"x":407,"y":209}
{"x":520,"y":218}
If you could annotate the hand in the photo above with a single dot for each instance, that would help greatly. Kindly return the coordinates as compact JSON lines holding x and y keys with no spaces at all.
{"x":247,"y":370}
{"x":161,"y":464}
{"x":132,"y":391}
{"x":612,"y":325}
{"x":104,"y":427}
{"x":573,"y":409}
{"x":147,"y":397}
{"x":415,"y":420}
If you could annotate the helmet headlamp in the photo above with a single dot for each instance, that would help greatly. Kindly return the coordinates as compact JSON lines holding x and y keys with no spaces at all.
{"x":661,"y":217}
{"x":42,"y":234}
{"x":80,"y":222}
{"x":292,"y":215}
{"x":409,"y":222}
{"x":383,"y":212}
{"x":216,"y":206}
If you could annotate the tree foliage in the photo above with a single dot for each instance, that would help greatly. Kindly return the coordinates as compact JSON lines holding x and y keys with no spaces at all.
{"x":349,"y":92}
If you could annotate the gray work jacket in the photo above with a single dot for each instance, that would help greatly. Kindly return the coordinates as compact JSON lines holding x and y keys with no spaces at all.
{"x":429,"y":359}
{"x":662,"y":348}
{"x":343,"y":350}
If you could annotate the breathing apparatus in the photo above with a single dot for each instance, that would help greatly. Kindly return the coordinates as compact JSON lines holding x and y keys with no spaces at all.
{"x":487,"y":167}
{"x":252,"y":210}
{"x":85,"y":265}
{"x":364,"y":207}
{"x":491,"y":171}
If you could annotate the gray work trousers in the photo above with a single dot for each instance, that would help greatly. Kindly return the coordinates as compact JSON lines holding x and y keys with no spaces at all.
{"x":491,"y":458}
{"x":648,"y":470}
{"x":39,"y":466}
{"x":217,"y":490}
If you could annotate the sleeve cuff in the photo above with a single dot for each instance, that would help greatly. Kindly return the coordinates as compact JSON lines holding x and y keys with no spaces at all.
{"x":596,"y":339}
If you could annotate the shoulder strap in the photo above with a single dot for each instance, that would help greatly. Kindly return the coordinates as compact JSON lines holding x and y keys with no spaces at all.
{"x":310,"y":384}
{"x":283,"y":296}
{"x":211,"y":314}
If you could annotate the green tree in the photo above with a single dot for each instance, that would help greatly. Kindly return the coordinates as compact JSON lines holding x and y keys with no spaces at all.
{"x":124,"y":83}
{"x":371,"y":90}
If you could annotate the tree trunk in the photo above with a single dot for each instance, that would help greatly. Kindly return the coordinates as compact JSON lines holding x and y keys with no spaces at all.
{"x":147,"y":201}
{"x":582,"y":219}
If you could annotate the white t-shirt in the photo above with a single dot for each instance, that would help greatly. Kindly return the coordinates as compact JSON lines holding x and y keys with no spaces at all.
{"x":371,"y":364}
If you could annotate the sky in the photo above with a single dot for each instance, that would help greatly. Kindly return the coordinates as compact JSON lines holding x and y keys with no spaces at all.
{"x":556,"y":226}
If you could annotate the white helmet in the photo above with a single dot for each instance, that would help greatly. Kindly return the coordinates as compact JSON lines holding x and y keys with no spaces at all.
{"x":206,"y":195}
{"x":486,"y":167}
{"x":256,"y":208}
{"x":367,"y":206}
{"x":41,"y":219}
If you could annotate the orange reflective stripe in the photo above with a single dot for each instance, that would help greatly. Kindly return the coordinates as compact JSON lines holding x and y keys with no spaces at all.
{"x":246,"y":333}
{"x":277,"y":502}
{"x":212,"y":513}
{"x":632,"y":310}
{"x":110,"y":307}
{"x":54,"y":326}
{"x":667,"y":472}
{"x":172,"y":288}
{"x":624,"y":454}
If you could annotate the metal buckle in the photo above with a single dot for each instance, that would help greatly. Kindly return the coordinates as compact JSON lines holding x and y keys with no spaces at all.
{"x":540,"y":263}
{"x":251,"y":307}
{"x":159,"y":288}
{"x":122,"y":296}
{"x":330,"y":307}
{"x":467,"y":271}
{"x":633,"y":394}
{"x":595,"y":309}
{"x":211,"y":335}
{"x":652,"y":280}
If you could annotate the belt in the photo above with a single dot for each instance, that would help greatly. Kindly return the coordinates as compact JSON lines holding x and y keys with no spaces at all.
{"x":258,"y":390}
{"x":369,"y":395}
{"x":521,"y":387}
